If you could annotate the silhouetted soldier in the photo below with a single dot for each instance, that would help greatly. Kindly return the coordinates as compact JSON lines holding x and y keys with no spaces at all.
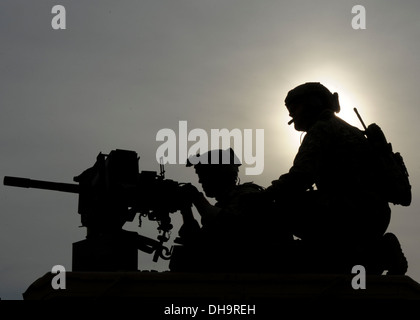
{"x":330,"y":196}
{"x":235,"y":236}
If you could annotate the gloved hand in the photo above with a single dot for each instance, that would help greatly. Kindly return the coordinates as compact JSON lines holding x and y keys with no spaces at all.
{"x":189,"y":193}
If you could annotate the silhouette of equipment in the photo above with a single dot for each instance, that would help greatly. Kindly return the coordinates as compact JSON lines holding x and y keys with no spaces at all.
{"x":395,"y":181}
{"x":111,"y":193}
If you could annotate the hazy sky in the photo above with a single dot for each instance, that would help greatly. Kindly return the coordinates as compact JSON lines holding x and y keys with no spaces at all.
{"x":123,"y":70}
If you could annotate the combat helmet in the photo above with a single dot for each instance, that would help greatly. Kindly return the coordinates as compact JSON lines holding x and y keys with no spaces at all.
{"x":217,"y":164}
{"x":220,"y":157}
{"x":328,"y":100}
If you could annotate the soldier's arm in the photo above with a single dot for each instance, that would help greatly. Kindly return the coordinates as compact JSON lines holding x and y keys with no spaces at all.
{"x":301,"y":175}
{"x":190,"y":229}
{"x":207,"y":211}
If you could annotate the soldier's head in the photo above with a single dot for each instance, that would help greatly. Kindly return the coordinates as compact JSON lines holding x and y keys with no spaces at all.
{"x":217,"y":171}
{"x":308,"y":101}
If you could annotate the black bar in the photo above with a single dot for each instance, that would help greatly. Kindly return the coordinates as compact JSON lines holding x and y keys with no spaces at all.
{"x":360,"y":118}
{"x":39,"y":184}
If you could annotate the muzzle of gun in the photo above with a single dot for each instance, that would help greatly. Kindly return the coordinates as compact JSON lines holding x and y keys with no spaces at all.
{"x":290,"y":122}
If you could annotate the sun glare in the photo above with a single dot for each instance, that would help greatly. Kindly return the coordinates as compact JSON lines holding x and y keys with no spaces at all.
{"x":288,"y":140}
{"x":347,"y":104}
{"x":351,"y":92}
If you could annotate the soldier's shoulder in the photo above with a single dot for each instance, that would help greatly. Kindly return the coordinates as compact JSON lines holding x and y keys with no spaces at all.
{"x":334,"y":125}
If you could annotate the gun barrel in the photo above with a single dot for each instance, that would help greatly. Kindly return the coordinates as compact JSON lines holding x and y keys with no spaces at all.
{"x":39,"y":184}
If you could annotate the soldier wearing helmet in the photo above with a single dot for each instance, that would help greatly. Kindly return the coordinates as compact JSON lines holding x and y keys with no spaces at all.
{"x":217,"y":172}
{"x":308,"y":101}
{"x":230,"y":238}
{"x":330,"y":195}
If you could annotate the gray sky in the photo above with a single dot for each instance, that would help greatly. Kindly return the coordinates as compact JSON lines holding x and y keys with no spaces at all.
{"x":123,"y":70}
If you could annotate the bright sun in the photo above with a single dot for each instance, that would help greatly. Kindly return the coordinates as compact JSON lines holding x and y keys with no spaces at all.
{"x":350,"y":94}
{"x":347,"y":104}
{"x":288,"y":139}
